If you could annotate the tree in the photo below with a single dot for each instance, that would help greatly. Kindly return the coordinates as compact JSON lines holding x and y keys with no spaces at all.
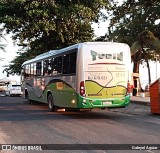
{"x":43,"y":25}
{"x":133,"y":17}
{"x":146,"y":47}
{"x":131,"y":23}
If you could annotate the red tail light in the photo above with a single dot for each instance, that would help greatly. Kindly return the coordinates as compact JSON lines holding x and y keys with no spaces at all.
{"x":82,"y":89}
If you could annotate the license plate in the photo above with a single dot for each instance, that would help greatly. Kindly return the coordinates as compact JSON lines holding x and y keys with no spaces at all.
{"x":107,"y":103}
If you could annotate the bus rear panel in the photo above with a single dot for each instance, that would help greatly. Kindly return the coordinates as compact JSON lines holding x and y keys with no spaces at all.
{"x":105,"y":75}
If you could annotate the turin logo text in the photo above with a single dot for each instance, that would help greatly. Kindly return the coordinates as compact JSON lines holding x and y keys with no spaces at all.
{"x":116,"y":56}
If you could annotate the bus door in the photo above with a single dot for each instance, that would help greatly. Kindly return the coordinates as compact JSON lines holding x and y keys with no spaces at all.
{"x":38,"y":81}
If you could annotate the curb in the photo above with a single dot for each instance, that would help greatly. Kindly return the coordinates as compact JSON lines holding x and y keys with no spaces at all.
{"x":146,"y":103}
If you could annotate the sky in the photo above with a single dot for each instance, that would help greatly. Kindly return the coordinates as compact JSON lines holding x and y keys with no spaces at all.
{"x":8,"y":56}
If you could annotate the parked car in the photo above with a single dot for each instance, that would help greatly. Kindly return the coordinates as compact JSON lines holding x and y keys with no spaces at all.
{"x":13,"y":89}
{"x":2,"y":87}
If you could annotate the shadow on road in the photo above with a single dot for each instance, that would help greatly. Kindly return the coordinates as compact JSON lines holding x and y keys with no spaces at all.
{"x":18,"y":109}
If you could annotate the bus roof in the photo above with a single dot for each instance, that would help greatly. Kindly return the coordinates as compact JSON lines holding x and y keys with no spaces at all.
{"x":56,"y":52}
{"x":51,"y":53}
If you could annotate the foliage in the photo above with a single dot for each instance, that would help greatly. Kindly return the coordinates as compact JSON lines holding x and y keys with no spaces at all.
{"x":15,"y":65}
{"x":43,"y":25}
{"x":148,"y":42}
{"x":133,"y":17}
{"x":135,"y":22}
{"x":2,"y":46}
{"x":146,"y":47}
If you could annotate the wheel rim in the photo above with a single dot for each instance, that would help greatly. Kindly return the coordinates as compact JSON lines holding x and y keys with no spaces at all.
{"x":50,"y":101}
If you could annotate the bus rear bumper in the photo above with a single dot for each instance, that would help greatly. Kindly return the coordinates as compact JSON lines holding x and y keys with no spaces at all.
{"x":104,"y":103}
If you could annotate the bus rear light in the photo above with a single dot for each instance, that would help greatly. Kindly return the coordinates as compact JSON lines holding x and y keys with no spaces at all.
{"x":73,"y":101}
{"x":82,"y":89}
{"x":84,"y":100}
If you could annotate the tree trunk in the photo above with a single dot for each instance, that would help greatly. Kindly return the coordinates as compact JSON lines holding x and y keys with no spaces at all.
{"x":135,"y":67}
{"x":148,"y":67}
{"x":149,"y":73}
{"x":136,"y":80}
{"x":136,"y":57}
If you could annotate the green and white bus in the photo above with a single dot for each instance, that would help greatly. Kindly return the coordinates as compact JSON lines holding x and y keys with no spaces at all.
{"x":83,"y":76}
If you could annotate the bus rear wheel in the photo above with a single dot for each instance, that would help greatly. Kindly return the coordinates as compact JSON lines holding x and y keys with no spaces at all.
{"x":51,"y":106}
{"x":27,"y":97}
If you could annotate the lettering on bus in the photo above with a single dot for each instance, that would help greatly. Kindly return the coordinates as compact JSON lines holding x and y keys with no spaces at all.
{"x":120,"y":74}
{"x":117,"y":56}
{"x":97,"y":77}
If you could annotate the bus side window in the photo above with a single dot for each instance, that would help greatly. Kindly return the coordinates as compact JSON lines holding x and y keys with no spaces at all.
{"x":59,"y":68}
{"x":45,"y":67}
{"x":32,"y":70}
{"x":73,"y":59}
{"x":25,"y":74}
{"x":38,"y":69}
{"x":54,"y":66}
{"x":49,"y":66}
{"x":57,"y":65}
{"x":27,"y":70}
{"x":66,"y":65}
{"x":22,"y":74}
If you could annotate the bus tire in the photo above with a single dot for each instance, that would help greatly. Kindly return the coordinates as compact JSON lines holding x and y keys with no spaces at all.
{"x":50,"y":101}
{"x":27,"y":97}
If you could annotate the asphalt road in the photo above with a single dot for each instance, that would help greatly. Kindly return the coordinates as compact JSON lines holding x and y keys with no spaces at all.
{"x":21,"y":123}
